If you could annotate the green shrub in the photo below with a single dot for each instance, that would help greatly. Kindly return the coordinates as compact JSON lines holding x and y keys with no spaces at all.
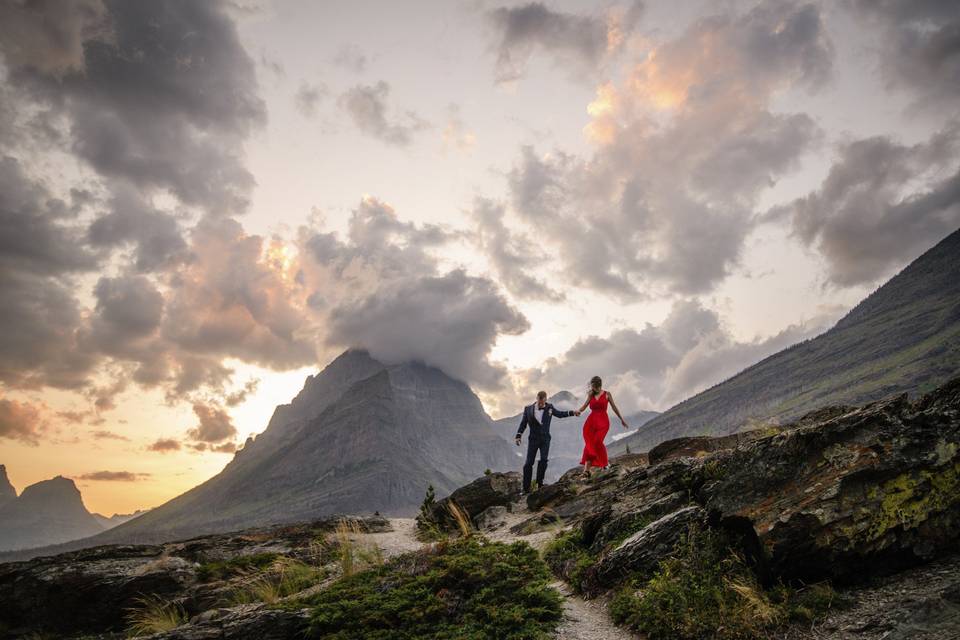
{"x":468,"y":589}
{"x":428,"y":529}
{"x":706,"y":590}
{"x":223,"y":569}
{"x":568,"y":558}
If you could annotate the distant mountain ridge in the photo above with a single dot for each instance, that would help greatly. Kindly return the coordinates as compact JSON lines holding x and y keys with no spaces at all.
{"x":48,"y":512}
{"x":904,"y":337}
{"x":566,"y":434}
{"x":360,"y":437}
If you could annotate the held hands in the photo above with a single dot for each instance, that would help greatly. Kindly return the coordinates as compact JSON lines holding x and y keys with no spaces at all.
{"x":576,"y":413}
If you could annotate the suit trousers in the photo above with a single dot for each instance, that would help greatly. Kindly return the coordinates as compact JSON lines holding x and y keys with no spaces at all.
{"x":535,"y":443}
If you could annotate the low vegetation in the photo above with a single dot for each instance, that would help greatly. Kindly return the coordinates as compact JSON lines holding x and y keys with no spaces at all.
{"x":568,"y":558}
{"x":468,"y":589}
{"x":153,"y":614}
{"x":353,"y":555}
{"x":284,"y":577}
{"x":216,"y":570}
{"x":706,"y":590}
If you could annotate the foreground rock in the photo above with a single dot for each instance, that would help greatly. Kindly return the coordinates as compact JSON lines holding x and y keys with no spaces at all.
{"x":243,"y":623}
{"x":479,"y":497}
{"x":841,"y":494}
{"x":92,"y":590}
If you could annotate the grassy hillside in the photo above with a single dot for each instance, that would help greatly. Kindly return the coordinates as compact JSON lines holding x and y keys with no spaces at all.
{"x":904,"y":337}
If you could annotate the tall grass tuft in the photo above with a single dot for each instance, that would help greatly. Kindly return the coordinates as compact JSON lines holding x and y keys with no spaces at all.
{"x":285,"y":577}
{"x":354,"y":555}
{"x":460,"y":517}
{"x":153,"y":614}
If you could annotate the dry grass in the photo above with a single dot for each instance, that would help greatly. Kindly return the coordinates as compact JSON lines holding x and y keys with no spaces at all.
{"x":153,"y":614}
{"x":355,"y":555}
{"x":285,"y":577}
{"x":464,"y":524}
{"x":756,"y":603}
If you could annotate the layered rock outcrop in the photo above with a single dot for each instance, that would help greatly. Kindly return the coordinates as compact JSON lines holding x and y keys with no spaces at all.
{"x":842,"y":493}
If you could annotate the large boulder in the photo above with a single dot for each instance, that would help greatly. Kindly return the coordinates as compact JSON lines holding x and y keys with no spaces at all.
{"x":89,"y":590}
{"x":642,"y":552}
{"x":489,"y":490}
{"x":875,"y":486}
{"x":243,"y":623}
{"x":698,"y":446}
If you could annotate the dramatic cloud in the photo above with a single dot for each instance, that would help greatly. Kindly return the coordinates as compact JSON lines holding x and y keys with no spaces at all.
{"x":38,"y":232}
{"x":156,"y":236}
{"x":579,"y":42}
{"x":114,"y":476}
{"x":449,"y":321}
{"x":367,"y":107}
{"x":164,"y":445}
{"x":512,"y":256}
{"x":684,"y":150}
{"x":156,"y":99}
{"x":658,"y":366}
{"x":162,"y":98}
{"x":20,"y":421}
{"x":236,"y":299}
{"x":919,"y":46}
{"x":214,"y":424}
{"x":882,"y":204}
{"x":381,"y":289}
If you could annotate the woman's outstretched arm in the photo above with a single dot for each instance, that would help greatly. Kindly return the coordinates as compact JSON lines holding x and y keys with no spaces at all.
{"x":586,"y":403}
{"x":616,"y":410}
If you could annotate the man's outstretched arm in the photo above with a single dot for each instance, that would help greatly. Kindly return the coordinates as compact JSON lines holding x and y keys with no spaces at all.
{"x":523,"y":425}
{"x":563,"y":414}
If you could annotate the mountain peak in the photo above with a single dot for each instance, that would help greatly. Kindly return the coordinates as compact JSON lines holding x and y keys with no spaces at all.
{"x":564,"y":400}
{"x":7,"y":491}
{"x":47,"y":512}
{"x":58,"y":489}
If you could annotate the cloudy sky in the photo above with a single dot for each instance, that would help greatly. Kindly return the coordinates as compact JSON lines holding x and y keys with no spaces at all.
{"x":203,"y":202}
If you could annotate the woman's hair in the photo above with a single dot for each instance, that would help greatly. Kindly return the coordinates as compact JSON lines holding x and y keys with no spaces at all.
{"x":596,"y":384}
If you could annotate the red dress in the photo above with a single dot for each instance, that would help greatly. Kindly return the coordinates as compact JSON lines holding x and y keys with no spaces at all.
{"x":594,"y":431}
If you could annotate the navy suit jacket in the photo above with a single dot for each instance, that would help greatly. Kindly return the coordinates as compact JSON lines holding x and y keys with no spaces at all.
{"x":530,"y":419}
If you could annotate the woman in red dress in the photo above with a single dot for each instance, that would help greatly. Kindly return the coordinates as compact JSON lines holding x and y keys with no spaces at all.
{"x":596,"y":426}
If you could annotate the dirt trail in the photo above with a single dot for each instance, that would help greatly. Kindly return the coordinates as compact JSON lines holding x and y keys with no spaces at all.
{"x":582,"y":619}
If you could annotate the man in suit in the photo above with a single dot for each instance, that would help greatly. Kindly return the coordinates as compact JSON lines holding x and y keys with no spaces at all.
{"x":538,"y":416}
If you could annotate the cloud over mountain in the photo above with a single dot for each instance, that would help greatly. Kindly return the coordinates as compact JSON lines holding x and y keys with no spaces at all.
{"x":684,"y":147}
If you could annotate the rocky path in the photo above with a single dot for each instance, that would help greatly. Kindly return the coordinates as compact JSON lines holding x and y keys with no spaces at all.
{"x":582,"y":619}
{"x":586,"y":619}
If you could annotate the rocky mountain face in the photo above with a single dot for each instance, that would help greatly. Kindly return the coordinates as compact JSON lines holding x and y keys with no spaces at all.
{"x":48,"y":512}
{"x":360,"y":437}
{"x":904,"y":337}
{"x":7,"y":492}
{"x":566,"y":434}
